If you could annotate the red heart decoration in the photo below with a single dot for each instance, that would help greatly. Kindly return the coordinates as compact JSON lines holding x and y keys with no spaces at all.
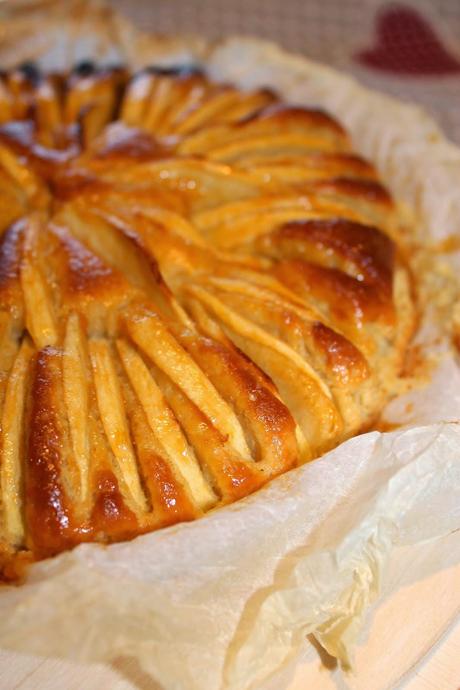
{"x":407,"y":44}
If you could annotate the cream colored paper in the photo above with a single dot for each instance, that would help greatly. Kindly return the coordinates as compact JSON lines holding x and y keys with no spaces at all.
{"x":224,"y":602}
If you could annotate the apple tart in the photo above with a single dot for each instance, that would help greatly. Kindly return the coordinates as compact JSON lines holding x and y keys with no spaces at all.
{"x":200,"y":288}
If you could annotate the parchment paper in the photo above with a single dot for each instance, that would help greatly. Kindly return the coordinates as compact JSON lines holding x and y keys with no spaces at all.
{"x":224,"y":602}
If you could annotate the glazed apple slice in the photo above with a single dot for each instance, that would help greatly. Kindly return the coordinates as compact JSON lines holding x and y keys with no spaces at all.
{"x":226,"y":109}
{"x":239,"y":223}
{"x":302,"y":390}
{"x":5,"y":103}
{"x":280,"y":118}
{"x":117,"y":266}
{"x":11,"y":474}
{"x":214,"y":107}
{"x":269,"y":427}
{"x":281,"y":144}
{"x":337,"y":361}
{"x":49,"y":470}
{"x":170,"y":496}
{"x":136,"y":99}
{"x":188,"y":91}
{"x":90,"y":100}
{"x":202,"y":183}
{"x":20,"y":85}
{"x":33,"y":189}
{"x":112,"y":413}
{"x":48,"y":113}
{"x":295,"y":169}
{"x":40,"y":315}
{"x":75,"y":379}
{"x":158,"y":103}
{"x":151,"y":335}
{"x":164,"y":426}
{"x":272,"y":121}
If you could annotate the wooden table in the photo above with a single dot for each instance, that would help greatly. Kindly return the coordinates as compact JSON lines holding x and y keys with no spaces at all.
{"x":424,"y":655}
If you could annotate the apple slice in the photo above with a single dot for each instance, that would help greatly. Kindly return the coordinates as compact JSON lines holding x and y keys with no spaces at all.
{"x":11,"y":447}
{"x":40,"y":317}
{"x":75,"y":379}
{"x":150,"y":333}
{"x":48,"y":112}
{"x":305,"y":394}
{"x":5,"y":104}
{"x":22,"y":174}
{"x":111,"y":409}
{"x":285,"y":144}
{"x":164,"y":426}
{"x":210,"y":110}
{"x":136,"y":99}
{"x":235,"y":224}
{"x":269,"y":426}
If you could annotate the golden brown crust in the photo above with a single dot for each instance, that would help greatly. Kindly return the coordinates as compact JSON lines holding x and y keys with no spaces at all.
{"x":197,"y":292}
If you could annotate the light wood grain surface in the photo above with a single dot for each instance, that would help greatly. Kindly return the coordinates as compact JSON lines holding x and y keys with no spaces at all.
{"x":439,"y":670}
{"x":413,"y":643}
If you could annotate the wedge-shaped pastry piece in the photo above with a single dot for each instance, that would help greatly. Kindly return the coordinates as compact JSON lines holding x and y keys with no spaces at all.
{"x":361,"y":251}
{"x":279,"y":314}
{"x":337,"y":361}
{"x":346,"y":257}
{"x":354,"y":307}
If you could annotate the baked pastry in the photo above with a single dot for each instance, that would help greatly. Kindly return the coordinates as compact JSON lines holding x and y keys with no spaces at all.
{"x":200,"y":288}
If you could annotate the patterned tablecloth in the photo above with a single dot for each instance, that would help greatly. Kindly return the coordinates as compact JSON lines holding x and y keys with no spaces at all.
{"x":410,"y":49}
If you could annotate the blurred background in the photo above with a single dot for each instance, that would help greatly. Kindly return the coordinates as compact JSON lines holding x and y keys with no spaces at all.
{"x":410,"y":49}
{"x":407,"y":48}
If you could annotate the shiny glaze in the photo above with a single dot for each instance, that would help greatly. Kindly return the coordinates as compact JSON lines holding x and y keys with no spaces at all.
{"x":47,"y":506}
